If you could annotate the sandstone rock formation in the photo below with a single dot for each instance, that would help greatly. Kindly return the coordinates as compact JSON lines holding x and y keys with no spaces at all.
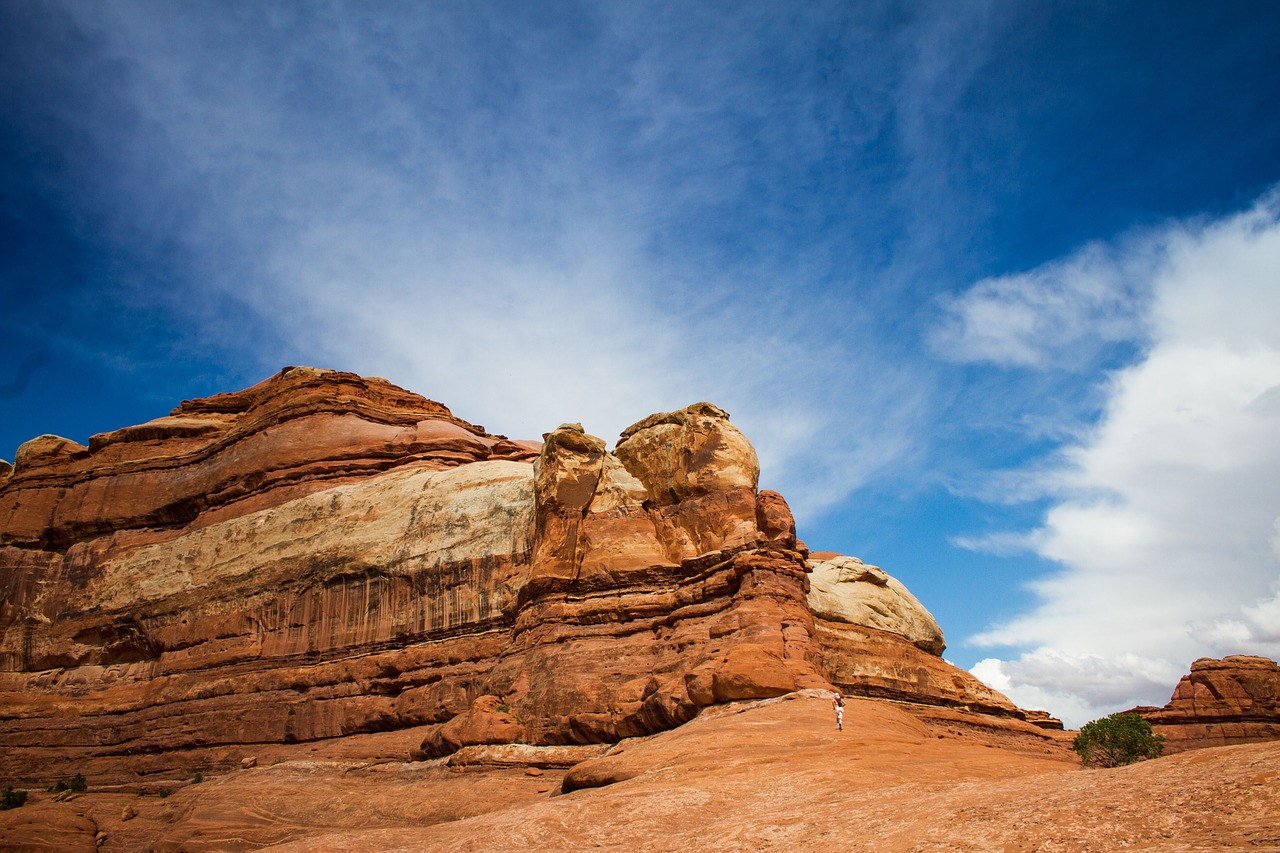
{"x":485,"y":722}
{"x":323,"y":554}
{"x":845,"y":589}
{"x":294,"y":434}
{"x":1221,"y":702}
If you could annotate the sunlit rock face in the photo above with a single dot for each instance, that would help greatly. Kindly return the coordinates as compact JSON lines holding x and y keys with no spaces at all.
{"x":1221,"y":702}
{"x":845,"y":589}
{"x":325,"y":554}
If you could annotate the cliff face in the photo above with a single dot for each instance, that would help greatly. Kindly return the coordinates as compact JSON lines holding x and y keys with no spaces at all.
{"x":324,"y":554}
{"x":1219,"y":703}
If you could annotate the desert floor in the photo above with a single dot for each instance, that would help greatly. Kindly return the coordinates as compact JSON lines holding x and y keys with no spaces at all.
{"x":772,"y":775}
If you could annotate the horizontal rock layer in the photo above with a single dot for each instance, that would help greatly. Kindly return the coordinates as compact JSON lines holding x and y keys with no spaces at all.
{"x":298,"y":432}
{"x":864,"y":661}
{"x":323,"y":555}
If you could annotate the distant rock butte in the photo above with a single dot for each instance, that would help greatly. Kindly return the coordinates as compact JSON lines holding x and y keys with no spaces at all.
{"x":324,"y":554}
{"x":1219,"y":703}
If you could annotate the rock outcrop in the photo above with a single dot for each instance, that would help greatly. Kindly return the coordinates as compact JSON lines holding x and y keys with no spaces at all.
{"x":847,"y":590}
{"x":1219,"y":703}
{"x":485,"y":722}
{"x":323,"y":555}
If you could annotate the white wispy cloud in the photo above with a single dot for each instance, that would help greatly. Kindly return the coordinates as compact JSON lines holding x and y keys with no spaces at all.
{"x":1058,"y":315}
{"x":469,"y":204}
{"x":1164,"y":520}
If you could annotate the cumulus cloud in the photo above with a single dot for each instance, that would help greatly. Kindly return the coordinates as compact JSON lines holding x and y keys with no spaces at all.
{"x":1164,"y":518}
{"x":1255,"y":627}
{"x":1076,"y":687}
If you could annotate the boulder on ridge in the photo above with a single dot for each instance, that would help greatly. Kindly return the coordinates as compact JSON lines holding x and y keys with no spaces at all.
{"x":845,"y":589}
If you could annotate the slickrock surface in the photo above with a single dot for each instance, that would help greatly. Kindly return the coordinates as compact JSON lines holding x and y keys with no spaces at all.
{"x":325,"y":555}
{"x":757,"y":775}
{"x":1229,"y":701}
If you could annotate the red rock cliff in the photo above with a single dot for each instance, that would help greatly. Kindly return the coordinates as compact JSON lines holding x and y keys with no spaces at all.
{"x":325,"y":554}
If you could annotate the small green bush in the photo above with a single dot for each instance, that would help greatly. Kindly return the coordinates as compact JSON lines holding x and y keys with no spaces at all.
{"x":77,"y":785}
{"x":12,"y":799}
{"x":1116,"y":740}
{"x":198,"y":778}
{"x":163,"y":792}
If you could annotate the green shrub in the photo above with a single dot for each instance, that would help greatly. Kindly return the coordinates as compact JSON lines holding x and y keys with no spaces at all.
{"x":12,"y":799}
{"x":198,"y":778}
{"x":77,"y":785}
{"x":1116,"y":740}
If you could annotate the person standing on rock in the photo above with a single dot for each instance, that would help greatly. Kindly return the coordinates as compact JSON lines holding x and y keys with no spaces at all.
{"x":838,"y":705}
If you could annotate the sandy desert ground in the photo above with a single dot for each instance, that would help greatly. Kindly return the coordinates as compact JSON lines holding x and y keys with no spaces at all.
{"x":772,"y":775}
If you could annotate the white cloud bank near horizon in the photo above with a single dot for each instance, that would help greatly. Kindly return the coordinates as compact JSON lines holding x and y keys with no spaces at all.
{"x":1165,"y":515}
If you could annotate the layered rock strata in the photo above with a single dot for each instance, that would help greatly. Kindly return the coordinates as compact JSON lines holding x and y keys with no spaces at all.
{"x":1220,"y":703}
{"x":324,"y":554}
{"x":224,"y":456}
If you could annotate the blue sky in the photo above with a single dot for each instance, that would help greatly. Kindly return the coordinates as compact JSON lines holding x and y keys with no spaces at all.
{"x":994,"y":288}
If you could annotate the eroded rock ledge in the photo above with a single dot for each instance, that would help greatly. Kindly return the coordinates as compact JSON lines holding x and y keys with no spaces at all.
{"x":324,"y":554}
